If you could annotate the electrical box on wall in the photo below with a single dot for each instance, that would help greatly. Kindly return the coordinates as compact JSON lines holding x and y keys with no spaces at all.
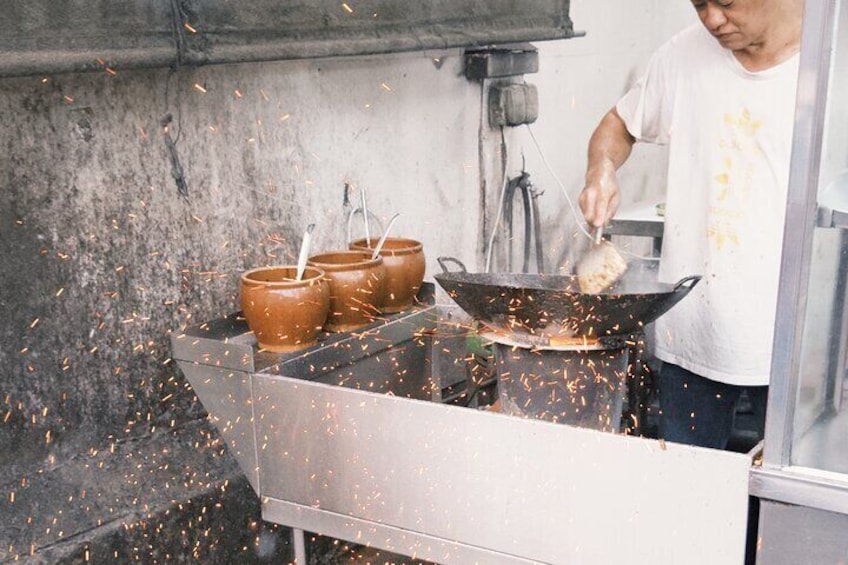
{"x":501,"y":61}
{"x":512,"y":101}
{"x":513,"y":104}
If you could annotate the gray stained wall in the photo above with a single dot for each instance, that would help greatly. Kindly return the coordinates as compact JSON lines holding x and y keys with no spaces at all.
{"x":103,"y":256}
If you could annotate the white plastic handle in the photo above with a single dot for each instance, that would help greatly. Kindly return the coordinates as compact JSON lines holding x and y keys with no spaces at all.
{"x":383,"y":239}
{"x":304,"y":251}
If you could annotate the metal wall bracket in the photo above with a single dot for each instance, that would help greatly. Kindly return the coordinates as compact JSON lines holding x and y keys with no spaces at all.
{"x":499,"y":61}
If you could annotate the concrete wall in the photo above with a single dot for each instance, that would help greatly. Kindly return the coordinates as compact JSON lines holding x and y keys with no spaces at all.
{"x":102,"y":257}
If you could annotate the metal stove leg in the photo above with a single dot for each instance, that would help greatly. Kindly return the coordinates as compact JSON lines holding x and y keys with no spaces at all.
{"x":299,"y":546}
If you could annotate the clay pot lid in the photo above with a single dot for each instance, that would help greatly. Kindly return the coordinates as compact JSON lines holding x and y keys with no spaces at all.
{"x":281,"y":275}
{"x":344,"y":260}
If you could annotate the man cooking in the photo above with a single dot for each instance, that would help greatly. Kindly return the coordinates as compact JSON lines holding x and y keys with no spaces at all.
{"x":721,"y":94}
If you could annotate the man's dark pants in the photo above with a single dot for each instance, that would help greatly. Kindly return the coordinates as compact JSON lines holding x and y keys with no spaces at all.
{"x":699,"y":411}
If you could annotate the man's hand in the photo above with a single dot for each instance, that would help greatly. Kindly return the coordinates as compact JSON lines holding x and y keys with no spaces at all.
{"x":600,"y":197}
{"x":609,"y":148}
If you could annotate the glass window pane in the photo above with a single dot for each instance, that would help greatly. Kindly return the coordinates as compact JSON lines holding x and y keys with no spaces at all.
{"x":821,"y":416}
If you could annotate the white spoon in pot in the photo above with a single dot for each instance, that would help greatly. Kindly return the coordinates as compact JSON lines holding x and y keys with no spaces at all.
{"x":365,"y":217}
{"x":305,"y":244}
{"x":380,"y":243}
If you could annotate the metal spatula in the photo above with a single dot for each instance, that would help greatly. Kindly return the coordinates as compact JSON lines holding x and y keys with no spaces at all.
{"x":601,"y":266}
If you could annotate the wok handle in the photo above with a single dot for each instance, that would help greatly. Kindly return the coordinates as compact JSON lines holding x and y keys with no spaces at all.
{"x":443,"y":260}
{"x":682,"y":283}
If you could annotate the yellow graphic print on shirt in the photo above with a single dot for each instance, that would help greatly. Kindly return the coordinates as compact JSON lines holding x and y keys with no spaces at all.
{"x":732,"y":184}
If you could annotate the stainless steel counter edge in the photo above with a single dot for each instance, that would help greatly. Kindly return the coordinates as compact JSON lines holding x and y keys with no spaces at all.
{"x":229,"y":344}
{"x":406,"y":542}
{"x":225,"y":342}
{"x":801,"y":486}
{"x":349,"y":347}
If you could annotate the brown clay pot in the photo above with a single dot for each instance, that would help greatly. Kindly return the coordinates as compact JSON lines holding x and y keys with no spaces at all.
{"x":285,"y":314}
{"x":357,"y":288}
{"x":404,"y":261}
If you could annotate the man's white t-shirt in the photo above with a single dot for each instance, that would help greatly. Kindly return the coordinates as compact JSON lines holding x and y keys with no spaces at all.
{"x":729,"y":133}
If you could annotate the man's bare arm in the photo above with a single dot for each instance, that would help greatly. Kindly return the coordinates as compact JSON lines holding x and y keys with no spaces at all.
{"x":609,"y":148}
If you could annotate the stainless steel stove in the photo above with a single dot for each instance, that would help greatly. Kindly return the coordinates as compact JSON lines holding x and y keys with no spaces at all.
{"x":367,"y":437}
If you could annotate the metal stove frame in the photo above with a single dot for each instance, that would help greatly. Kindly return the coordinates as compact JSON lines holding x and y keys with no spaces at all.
{"x":356,"y":439}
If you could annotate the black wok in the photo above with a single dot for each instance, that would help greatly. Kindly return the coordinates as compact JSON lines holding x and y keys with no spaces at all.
{"x":553,"y":306}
